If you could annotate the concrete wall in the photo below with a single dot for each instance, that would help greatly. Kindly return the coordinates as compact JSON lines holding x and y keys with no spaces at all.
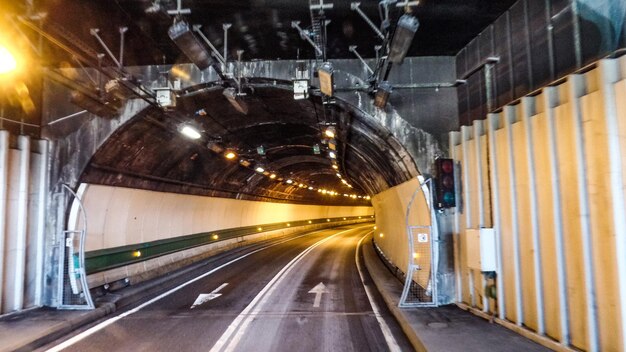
{"x":549,"y":174}
{"x":122,"y":216}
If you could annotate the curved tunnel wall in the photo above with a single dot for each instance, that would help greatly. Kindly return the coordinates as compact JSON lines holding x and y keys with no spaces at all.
{"x":122,"y":216}
{"x":391,"y":210}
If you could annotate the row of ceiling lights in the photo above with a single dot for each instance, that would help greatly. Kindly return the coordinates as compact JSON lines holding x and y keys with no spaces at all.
{"x":192,"y":132}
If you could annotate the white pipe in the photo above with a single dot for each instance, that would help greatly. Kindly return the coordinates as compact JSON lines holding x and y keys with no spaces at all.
{"x":492,"y":125}
{"x":41,"y":221}
{"x":467,"y":208}
{"x":550,"y":95}
{"x":576,"y":89}
{"x":528,"y":107}
{"x":610,"y":71}
{"x":509,"y":119}
{"x":4,"y":174}
{"x":23,"y":144}
{"x":454,"y":141}
{"x":479,"y":130}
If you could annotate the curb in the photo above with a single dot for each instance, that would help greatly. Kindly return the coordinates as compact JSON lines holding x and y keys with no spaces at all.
{"x":390,"y":290}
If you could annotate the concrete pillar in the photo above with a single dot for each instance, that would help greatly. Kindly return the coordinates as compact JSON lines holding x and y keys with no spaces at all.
{"x":4,"y":183}
{"x":509,"y":120}
{"x":576,"y":88}
{"x":528,"y":110}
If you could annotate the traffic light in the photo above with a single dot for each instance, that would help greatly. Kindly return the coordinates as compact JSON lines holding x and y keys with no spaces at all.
{"x":445,"y":183}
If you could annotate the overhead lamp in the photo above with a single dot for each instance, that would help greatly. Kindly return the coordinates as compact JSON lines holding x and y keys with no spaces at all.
{"x":330,"y":132}
{"x":190,"y":132}
{"x":382,"y":94}
{"x":273,"y":176}
{"x":236,"y":100}
{"x":335,"y":167}
{"x":183,"y":37}
{"x":244,"y":163}
{"x":332,"y":145}
{"x":310,"y":188}
{"x":260,"y":170}
{"x":301,"y":185}
{"x":7,"y":61}
{"x":300,"y":89}
{"x":260,"y":150}
{"x":301,"y":82}
{"x":325,"y":73}
{"x":332,"y":155}
{"x":316,"y":149}
{"x":289,"y":181}
{"x":402,"y":38}
{"x":230,"y":155}
{"x":338,"y":175}
{"x":94,"y":106}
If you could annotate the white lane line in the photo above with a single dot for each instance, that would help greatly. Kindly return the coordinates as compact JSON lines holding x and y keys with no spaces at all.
{"x":391,"y":341}
{"x":236,"y":330}
{"x":108,"y":322}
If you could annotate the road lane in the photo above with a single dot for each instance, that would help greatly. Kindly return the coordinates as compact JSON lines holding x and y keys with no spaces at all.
{"x":288,"y":317}
{"x":170,"y":323}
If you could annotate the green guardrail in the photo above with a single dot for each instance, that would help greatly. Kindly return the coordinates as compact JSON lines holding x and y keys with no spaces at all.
{"x":110,"y":258}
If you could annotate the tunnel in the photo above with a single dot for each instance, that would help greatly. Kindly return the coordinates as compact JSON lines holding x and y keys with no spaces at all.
{"x":271,"y":175}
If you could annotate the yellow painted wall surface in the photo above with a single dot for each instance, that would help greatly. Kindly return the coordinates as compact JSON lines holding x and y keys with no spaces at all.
{"x":603,"y":234}
{"x":390,"y":207}
{"x":122,"y":216}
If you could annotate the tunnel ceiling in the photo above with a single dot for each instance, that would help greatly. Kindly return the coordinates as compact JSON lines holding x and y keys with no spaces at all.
{"x":262,"y":28}
{"x":149,"y":152}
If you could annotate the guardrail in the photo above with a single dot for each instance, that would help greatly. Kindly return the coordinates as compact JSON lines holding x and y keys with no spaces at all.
{"x":110,"y":258}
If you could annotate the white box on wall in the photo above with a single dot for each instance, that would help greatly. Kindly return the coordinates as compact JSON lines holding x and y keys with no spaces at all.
{"x":480,"y":253}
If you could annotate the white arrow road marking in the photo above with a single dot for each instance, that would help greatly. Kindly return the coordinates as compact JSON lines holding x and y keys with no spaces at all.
{"x":318,"y":290}
{"x":205,"y":297}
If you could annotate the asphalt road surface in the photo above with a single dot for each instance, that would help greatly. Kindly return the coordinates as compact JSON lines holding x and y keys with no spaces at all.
{"x":301,"y":294}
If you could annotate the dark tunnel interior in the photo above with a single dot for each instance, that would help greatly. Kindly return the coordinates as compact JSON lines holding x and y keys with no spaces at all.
{"x":281,"y":150}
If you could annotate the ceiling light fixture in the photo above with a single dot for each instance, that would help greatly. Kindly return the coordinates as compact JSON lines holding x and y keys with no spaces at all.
{"x":325,"y":73}
{"x":330,"y":132}
{"x":335,"y":167}
{"x":402,"y":38}
{"x":382,"y":94}
{"x":273,"y":176}
{"x":236,"y":100}
{"x":230,"y":155}
{"x":332,"y":155}
{"x":7,"y":61}
{"x":190,"y":132}
{"x":183,"y":37}
{"x":289,"y":181}
{"x":260,"y":170}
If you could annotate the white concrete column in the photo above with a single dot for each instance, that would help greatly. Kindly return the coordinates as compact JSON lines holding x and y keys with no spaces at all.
{"x":4,"y":183}
{"x":509,"y":120}
{"x":479,"y":129}
{"x":551,"y":100}
{"x":467,"y":200}
{"x":528,"y":111}
{"x":576,"y":88}
{"x":610,"y":73}
{"x":23,"y":144}
{"x":41,"y":221}
{"x":455,"y":139}
{"x":493,"y":121}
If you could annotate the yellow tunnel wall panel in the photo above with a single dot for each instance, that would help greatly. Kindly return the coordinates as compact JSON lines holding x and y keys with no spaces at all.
{"x":123,"y":216}
{"x":605,"y":264}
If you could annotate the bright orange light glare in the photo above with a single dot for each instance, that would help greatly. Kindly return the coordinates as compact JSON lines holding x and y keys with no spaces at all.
{"x":7,"y":61}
